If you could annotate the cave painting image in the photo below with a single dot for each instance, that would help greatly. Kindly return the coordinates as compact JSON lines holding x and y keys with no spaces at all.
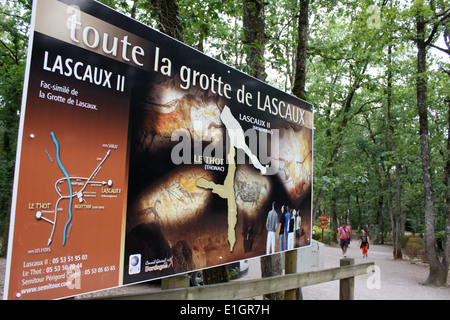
{"x":203,"y":179}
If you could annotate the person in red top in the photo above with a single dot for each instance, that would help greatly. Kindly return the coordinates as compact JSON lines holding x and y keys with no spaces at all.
{"x":345,"y":235}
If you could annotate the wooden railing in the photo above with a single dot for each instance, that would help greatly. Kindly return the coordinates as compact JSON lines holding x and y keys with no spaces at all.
{"x":252,"y":288}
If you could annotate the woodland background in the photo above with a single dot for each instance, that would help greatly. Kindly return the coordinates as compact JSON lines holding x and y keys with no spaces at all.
{"x":376,"y":71}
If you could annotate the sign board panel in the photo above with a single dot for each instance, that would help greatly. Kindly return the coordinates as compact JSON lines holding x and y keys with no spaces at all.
{"x":323,"y":225}
{"x":140,"y":158}
{"x":324,"y":221}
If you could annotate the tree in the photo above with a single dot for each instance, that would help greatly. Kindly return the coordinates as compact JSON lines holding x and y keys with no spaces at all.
{"x":300,"y":61}
{"x":390,"y":148}
{"x":425,"y":16}
{"x":302,"y":50}
{"x":254,"y":38}
{"x":168,"y":18}
{"x":14,"y":22}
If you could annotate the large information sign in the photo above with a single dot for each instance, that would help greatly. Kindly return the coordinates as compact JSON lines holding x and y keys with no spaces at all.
{"x":140,"y":158}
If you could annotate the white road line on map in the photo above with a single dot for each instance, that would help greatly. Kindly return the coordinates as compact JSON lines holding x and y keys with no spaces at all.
{"x":58,"y":191}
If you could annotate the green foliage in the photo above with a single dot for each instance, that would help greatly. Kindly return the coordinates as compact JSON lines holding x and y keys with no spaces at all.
{"x":328,"y":235}
{"x":14,"y":21}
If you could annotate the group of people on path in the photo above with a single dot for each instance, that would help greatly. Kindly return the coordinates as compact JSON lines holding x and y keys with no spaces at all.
{"x":287,"y":225}
{"x":345,"y":235}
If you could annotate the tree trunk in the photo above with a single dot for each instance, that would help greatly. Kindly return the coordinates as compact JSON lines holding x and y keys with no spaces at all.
{"x":215,"y":275}
{"x":254,"y":37}
{"x":395,"y":221}
{"x":437,"y":274}
{"x":447,"y":197}
{"x":359,"y":211}
{"x":334,"y":219}
{"x":271,"y":266}
{"x":254,"y":40}
{"x":134,"y":9}
{"x":398,"y":217}
{"x":302,"y":49}
{"x":169,"y":22}
{"x":447,"y":168}
{"x":378,"y":237}
{"x":5,"y":235}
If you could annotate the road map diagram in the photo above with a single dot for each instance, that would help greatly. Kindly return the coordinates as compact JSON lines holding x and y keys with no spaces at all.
{"x":82,"y":182}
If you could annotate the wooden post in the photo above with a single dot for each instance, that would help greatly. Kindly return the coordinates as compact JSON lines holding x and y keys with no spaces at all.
{"x":347,"y":285}
{"x":290,"y":266}
{"x":175,"y":282}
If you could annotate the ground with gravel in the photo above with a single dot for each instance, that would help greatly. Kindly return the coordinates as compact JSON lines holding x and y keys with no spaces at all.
{"x":398,"y":279}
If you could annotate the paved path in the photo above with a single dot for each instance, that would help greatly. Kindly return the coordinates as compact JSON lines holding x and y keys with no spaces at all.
{"x":399,"y":279}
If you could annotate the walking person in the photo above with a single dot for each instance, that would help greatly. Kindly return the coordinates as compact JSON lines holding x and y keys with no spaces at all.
{"x":271,"y":226}
{"x":345,"y":235}
{"x":364,"y":243}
